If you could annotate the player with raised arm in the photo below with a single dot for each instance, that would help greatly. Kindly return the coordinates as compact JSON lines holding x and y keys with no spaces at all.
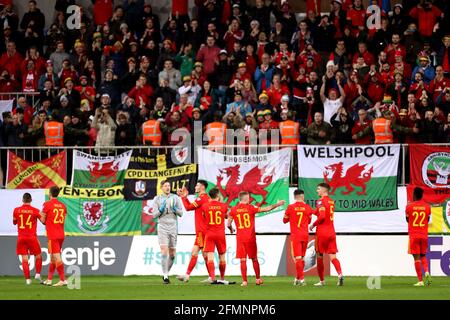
{"x":418,"y":215}
{"x":243,"y":215}
{"x":215,"y":213}
{"x":200,"y":224}
{"x":25,"y":217}
{"x":325,"y":234}
{"x":53,"y":215}
{"x":167,"y":208}
{"x":298,"y":214}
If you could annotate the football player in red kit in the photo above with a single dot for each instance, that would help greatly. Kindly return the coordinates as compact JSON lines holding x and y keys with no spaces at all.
{"x":243,"y":215}
{"x":215,"y":213}
{"x":25,"y":217}
{"x":53,"y":215}
{"x":325,"y":234}
{"x":418,"y":215}
{"x":298,"y":214}
{"x":200,"y":224}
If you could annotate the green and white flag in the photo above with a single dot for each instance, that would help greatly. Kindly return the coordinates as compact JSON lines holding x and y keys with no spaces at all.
{"x":362,"y":178}
{"x":91,"y":171}
{"x":264,"y":176}
{"x":100,"y":212}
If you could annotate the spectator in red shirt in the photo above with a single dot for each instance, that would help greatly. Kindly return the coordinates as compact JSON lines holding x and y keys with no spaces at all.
{"x":28,"y":111}
{"x":30,"y":78}
{"x":443,"y":55}
{"x":39,"y":62}
{"x":142,"y":93}
{"x":11,"y":60}
{"x":362,"y":50}
{"x":208,"y":55}
{"x":241,"y":73}
{"x":360,"y":125}
{"x":427,"y":15}
{"x":103,"y":10}
{"x":356,"y":17}
{"x":276,"y":91}
{"x":7,"y":85}
{"x":86,"y":91}
{"x":374,"y":87}
{"x":233,"y":34}
{"x":395,"y":48}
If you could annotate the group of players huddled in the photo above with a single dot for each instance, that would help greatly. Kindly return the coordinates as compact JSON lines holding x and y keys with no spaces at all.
{"x":210,"y":215}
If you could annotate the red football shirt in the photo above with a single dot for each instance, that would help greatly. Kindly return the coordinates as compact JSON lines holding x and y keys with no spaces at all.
{"x":56,"y":215}
{"x":325,"y":217}
{"x":299,"y":216}
{"x":244,"y":218}
{"x":200,"y":222}
{"x":418,"y":213}
{"x":26,"y":218}
{"x":215,"y":213}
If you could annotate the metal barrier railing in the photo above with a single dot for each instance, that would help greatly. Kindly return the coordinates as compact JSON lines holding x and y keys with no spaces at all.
{"x":32,"y":97}
{"x":41,"y":153}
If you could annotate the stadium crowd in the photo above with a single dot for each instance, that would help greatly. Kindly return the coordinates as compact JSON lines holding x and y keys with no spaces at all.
{"x":124,"y":77}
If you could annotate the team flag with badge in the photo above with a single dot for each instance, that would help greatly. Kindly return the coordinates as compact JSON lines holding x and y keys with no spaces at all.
{"x":91,"y":171}
{"x":145,"y":173}
{"x":100,"y":212}
{"x":362,"y":178}
{"x":44,"y":174}
{"x":430,"y":170}
{"x":264,"y":176}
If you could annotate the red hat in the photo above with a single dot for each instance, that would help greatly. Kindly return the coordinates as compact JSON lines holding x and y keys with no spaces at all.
{"x":144,"y":58}
{"x":398,"y":53}
{"x":49,"y":63}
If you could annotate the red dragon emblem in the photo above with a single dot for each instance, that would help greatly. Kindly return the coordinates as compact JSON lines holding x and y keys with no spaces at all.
{"x":356,"y":176}
{"x":103,"y":172}
{"x":252,"y":182}
{"x":92,"y":212}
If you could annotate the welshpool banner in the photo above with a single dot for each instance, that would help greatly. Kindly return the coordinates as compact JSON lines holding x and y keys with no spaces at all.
{"x":100,"y":212}
{"x":91,"y":171}
{"x":430,"y":170}
{"x":44,"y":174}
{"x":264,"y":176}
{"x":362,"y":178}
{"x":145,"y":173}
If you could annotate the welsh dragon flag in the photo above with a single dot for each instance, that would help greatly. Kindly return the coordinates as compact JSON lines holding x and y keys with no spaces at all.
{"x":264,"y":176}
{"x":91,"y":171}
{"x":362,"y":178}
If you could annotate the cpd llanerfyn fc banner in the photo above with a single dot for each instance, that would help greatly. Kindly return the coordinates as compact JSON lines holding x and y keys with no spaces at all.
{"x":145,"y":173}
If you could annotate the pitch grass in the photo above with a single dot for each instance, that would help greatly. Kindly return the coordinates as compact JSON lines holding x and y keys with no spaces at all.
{"x":274,"y":288}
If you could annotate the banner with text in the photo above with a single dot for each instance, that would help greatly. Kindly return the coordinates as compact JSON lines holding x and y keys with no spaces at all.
{"x":430,"y":169}
{"x":91,"y":171}
{"x":145,"y":173}
{"x":100,"y":212}
{"x":44,"y":174}
{"x":362,"y":178}
{"x":264,"y":176}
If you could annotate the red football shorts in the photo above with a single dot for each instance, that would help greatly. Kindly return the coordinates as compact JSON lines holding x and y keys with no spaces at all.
{"x":417,"y":245}
{"x":55,"y":245}
{"x":326,"y":244}
{"x":199,"y":239}
{"x":298,"y":247}
{"x":245,"y":249}
{"x":28,"y":245}
{"x":213,"y":241}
